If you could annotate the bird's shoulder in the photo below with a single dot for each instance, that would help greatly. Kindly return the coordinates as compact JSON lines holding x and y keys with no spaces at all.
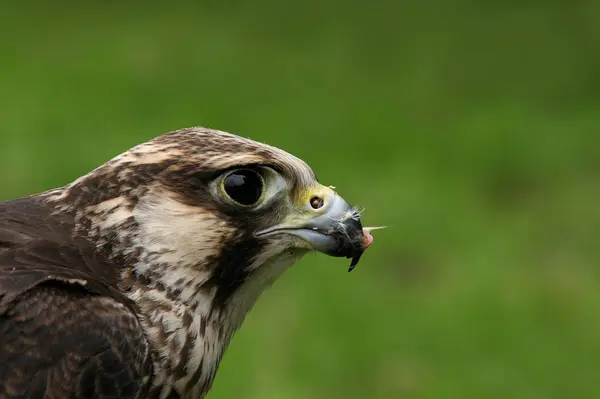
{"x":38,"y":247}
{"x":65,"y":329}
{"x":59,"y":341}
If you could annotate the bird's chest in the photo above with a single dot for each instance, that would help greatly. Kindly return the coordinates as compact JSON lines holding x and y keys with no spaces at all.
{"x":187,"y":345}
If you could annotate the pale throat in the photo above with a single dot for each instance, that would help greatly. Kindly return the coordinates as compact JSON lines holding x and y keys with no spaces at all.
{"x":188,"y":331}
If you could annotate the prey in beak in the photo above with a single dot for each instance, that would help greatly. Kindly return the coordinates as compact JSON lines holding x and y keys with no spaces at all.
{"x":328,"y":223}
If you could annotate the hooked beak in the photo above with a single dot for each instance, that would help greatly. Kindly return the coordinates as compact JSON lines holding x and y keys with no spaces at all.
{"x":334,"y":228}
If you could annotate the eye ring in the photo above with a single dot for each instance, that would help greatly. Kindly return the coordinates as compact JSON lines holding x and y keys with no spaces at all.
{"x":243,"y":187}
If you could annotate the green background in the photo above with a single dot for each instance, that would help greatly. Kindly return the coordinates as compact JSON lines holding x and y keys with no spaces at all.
{"x":470,"y":128}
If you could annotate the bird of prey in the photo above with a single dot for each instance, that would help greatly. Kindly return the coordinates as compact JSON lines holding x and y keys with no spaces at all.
{"x":130,"y":281}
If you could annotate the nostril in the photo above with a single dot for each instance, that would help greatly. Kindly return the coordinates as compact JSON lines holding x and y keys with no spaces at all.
{"x":317,"y":202}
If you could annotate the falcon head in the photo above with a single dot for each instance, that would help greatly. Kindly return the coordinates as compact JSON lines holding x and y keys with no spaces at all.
{"x":200,"y":222}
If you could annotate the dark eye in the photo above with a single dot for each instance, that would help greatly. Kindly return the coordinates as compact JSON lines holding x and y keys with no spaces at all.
{"x":244,"y":186}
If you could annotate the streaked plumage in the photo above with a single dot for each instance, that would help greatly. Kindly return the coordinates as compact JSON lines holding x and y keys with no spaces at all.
{"x":130,"y":281}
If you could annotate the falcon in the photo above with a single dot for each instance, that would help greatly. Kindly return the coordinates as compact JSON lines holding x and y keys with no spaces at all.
{"x":130,"y":281}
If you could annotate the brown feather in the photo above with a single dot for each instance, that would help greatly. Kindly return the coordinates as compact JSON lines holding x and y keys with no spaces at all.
{"x":65,"y":330}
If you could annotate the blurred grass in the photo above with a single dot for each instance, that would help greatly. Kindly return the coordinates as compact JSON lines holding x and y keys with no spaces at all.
{"x":470,"y":128}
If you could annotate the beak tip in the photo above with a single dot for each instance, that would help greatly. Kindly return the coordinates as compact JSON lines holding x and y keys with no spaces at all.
{"x":354,"y":261}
